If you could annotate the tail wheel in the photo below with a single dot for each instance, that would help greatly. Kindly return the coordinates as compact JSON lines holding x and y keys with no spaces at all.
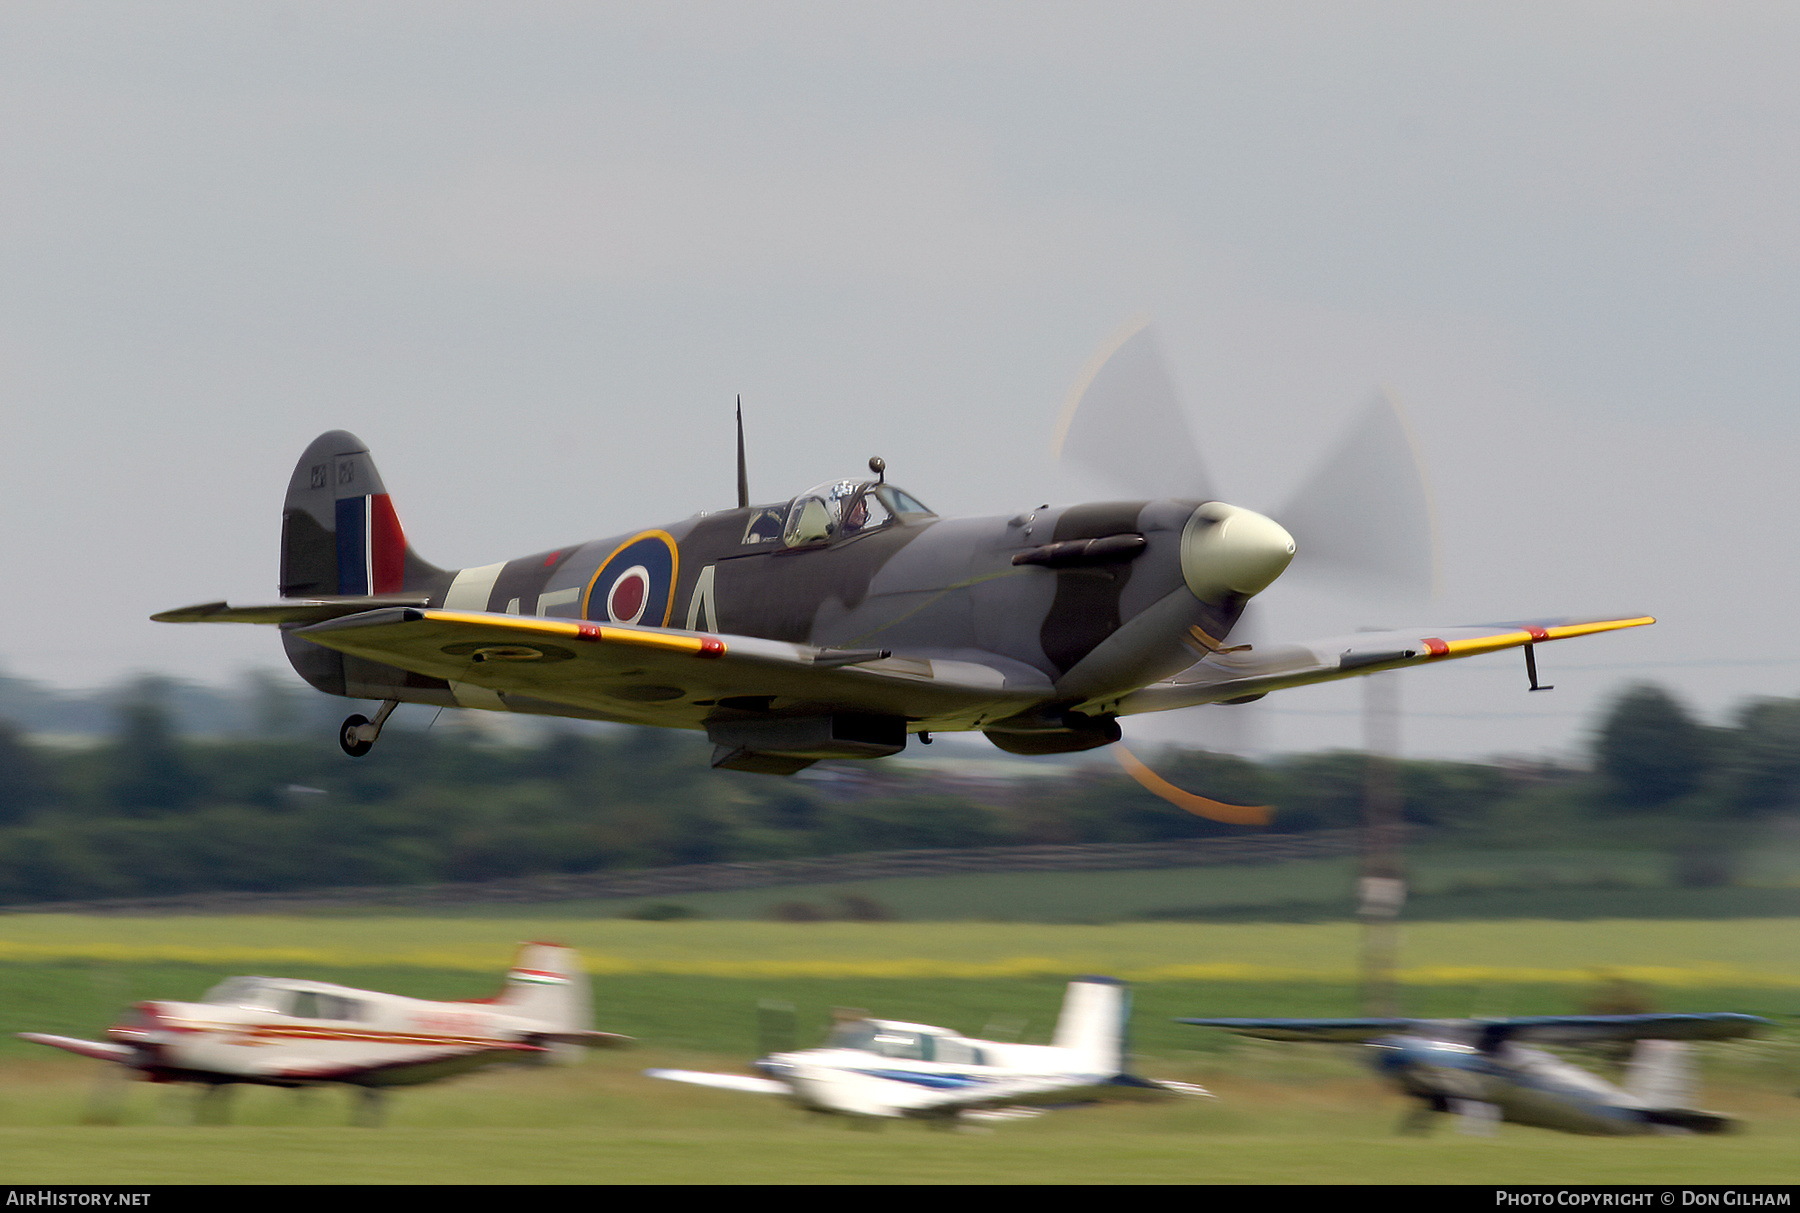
{"x":350,"y":736}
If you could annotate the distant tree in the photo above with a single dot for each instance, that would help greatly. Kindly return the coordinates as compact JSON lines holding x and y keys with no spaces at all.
{"x":1650,"y":750}
{"x":1322,"y":791}
{"x":273,"y":704}
{"x":147,"y":770}
{"x":25,"y":782}
{"x":1759,"y":760}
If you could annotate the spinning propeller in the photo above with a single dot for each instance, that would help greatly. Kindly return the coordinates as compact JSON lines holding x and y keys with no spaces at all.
{"x":1361,"y":521}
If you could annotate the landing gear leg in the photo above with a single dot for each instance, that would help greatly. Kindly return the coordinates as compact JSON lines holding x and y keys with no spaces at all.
{"x":370,"y":1109}
{"x":106,"y":1103}
{"x":214,"y":1105}
{"x":1417,"y":1121}
{"x":358,"y":733}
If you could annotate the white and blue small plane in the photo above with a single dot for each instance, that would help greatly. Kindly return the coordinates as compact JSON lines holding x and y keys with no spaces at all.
{"x":882,"y":1068}
{"x":1480,"y":1070}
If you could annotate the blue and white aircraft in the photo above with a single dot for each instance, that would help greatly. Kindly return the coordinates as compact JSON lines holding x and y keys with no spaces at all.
{"x":1481,"y":1070}
{"x":882,"y":1068}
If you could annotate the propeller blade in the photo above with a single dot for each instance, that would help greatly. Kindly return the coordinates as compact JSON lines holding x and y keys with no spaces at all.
{"x":1123,"y":421}
{"x":1235,"y":728}
{"x":1199,"y":806}
{"x":1365,"y":513}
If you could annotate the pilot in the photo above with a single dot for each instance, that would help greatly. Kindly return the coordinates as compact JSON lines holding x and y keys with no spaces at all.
{"x":858,"y":517}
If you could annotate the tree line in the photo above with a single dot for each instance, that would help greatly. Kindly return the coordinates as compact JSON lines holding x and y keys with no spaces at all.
{"x":149,"y":812}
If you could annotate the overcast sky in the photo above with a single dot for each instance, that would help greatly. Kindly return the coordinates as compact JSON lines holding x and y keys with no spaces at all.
{"x":530,"y":252}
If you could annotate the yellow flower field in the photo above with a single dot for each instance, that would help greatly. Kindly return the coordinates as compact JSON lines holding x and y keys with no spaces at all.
{"x":1735,"y":953}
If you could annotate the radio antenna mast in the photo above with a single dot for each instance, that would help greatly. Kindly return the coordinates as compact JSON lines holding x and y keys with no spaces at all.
{"x":743,"y":472}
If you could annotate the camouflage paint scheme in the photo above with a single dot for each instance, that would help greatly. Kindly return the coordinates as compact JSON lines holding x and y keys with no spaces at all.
{"x":831,"y":625}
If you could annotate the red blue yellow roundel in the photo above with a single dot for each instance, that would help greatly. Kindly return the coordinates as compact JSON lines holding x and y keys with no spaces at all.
{"x":636,"y":583}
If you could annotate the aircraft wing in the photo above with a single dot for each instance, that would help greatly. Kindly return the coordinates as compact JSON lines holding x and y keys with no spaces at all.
{"x":414,"y":1062}
{"x":1547,"y":1029}
{"x":98,"y":1050}
{"x":667,"y":675}
{"x":1228,"y":676}
{"x":725,"y":1082}
{"x":1343,"y":1030}
{"x":291,"y":610}
{"x":1037,"y":1090}
{"x":587,"y":1039}
{"x":1579,"y":1029}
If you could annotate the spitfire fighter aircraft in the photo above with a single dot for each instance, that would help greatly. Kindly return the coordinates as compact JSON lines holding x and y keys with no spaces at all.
{"x":281,"y":1033}
{"x":1482,"y":1070}
{"x":835,"y":624}
{"x":842,"y":621}
{"x":880,"y":1068}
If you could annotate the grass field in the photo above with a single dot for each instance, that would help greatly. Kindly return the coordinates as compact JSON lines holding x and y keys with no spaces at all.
{"x":1460,"y":884}
{"x":1707,"y":953}
{"x":1285,"y":1113}
{"x":605,"y":1123}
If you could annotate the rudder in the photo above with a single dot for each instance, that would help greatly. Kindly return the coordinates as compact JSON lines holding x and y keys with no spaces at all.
{"x":546,"y":983}
{"x":340,"y":535}
{"x":1092,"y":1023}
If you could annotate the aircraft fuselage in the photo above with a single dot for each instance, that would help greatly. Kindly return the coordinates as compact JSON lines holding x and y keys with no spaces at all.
{"x":1083,"y":600}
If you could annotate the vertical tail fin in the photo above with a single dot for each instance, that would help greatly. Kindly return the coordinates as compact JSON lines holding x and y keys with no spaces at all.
{"x":1095,"y":1011}
{"x":1661,"y":1074}
{"x":546,"y":983}
{"x":339,"y":532}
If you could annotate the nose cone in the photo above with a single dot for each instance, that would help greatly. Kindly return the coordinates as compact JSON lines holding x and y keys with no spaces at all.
{"x":1227,"y":551}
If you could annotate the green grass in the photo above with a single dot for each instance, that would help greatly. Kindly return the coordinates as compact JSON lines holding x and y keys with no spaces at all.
{"x":1702,"y":952}
{"x":1445,"y":885}
{"x":605,"y":1123}
{"x":1285,"y":1113}
{"x":1455,"y":885}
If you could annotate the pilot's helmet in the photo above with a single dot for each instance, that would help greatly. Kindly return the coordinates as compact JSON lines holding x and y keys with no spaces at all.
{"x":836,"y":495}
{"x":840,"y":492}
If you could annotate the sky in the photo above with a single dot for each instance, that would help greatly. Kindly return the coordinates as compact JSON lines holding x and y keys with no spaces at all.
{"x":532,"y":252}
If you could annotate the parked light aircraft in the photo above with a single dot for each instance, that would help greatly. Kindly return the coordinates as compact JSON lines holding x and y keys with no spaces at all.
{"x":834,"y":624}
{"x":283,"y":1033}
{"x":1480,"y":1069}
{"x":883,"y":1068}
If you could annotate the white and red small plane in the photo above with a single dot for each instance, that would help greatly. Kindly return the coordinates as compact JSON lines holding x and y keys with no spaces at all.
{"x":278,"y":1032}
{"x":882,"y":1068}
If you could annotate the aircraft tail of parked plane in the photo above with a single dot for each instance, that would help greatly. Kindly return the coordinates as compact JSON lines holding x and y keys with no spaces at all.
{"x":1095,"y":1011}
{"x":546,"y":984}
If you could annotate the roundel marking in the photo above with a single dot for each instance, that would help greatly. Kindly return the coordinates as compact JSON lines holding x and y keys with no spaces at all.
{"x":636,"y":583}
{"x":629,"y":595}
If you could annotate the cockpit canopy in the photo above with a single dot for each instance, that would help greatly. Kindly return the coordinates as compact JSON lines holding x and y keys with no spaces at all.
{"x":837,"y":509}
{"x":283,"y":998}
{"x":904,"y":1042}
